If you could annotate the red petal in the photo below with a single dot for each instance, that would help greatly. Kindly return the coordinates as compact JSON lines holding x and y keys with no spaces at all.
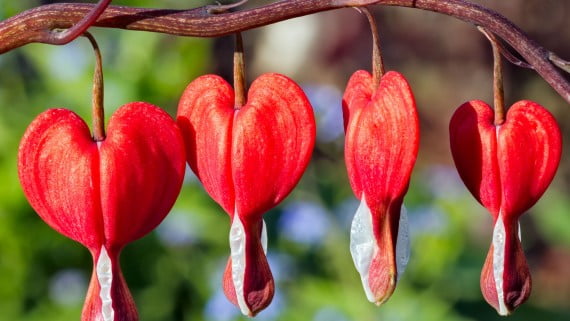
{"x":142,"y":169}
{"x":383,"y":271}
{"x":474,"y":148}
{"x":382,"y":139}
{"x":205,"y":116}
{"x":104,"y":194}
{"x":273,"y":138}
{"x":58,"y":167}
{"x":115,"y":193}
{"x":248,"y":160}
{"x":530,"y":147}
{"x":507,"y":168}
{"x":381,"y":146}
{"x":358,"y":93}
{"x":512,"y":176}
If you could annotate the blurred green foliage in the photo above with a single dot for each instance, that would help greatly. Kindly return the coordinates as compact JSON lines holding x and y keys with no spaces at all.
{"x":175,"y":272}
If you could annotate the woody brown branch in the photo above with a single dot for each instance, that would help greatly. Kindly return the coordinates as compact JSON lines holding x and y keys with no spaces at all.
{"x":36,"y":25}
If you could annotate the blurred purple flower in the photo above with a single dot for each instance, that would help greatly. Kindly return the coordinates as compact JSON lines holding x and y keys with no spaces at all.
{"x":326,"y":102}
{"x":329,"y":314}
{"x":427,"y":219}
{"x":345,"y":212}
{"x":177,"y":229}
{"x":218,"y":308}
{"x":304,"y":222}
{"x":282,"y":265}
{"x":68,"y":287}
{"x":444,"y":182}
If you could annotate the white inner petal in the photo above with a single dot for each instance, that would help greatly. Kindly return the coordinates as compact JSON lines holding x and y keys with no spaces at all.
{"x":499,"y":262}
{"x":237,"y":250}
{"x":264,"y":237}
{"x":104,"y":271}
{"x":363,"y":245}
{"x":403,"y":243}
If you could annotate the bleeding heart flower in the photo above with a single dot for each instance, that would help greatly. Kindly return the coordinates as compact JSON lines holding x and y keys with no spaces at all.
{"x":507,"y":168}
{"x":381,"y":146}
{"x":248,"y":159}
{"x":103,"y":194}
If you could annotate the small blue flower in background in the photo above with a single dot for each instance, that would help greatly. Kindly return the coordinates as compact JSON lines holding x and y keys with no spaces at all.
{"x":282,"y":265}
{"x":177,"y":229}
{"x":329,"y":314}
{"x":444,"y":182}
{"x":218,"y":308}
{"x":326,"y":102}
{"x":427,"y":220}
{"x":345,"y":212}
{"x":304,"y":222}
{"x":68,"y":287}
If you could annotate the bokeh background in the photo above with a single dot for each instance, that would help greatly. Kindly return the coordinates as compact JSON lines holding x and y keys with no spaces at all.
{"x":174,"y":272}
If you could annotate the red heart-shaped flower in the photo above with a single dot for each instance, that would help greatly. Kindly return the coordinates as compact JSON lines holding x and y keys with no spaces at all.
{"x":103,"y":194}
{"x":507,"y":168}
{"x":248,"y":160}
{"x":381,"y":147}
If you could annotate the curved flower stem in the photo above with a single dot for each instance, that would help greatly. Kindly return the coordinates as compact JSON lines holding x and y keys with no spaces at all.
{"x":377,"y":62}
{"x":498,"y":90}
{"x":239,"y":74}
{"x":34,"y":25}
{"x":98,"y":112}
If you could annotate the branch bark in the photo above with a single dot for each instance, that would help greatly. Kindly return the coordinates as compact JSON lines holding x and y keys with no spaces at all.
{"x":39,"y":24}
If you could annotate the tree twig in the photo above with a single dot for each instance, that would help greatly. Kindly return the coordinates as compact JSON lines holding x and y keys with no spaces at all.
{"x":33,"y":25}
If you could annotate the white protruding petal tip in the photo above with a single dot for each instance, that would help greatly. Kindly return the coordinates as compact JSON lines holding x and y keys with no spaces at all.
{"x":499,"y":236}
{"x":237,"y":250}
{"x":264,"y":237}
{"x":104,"y":271}
{"x":403,"y":243}
{"x":363,"y":245}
